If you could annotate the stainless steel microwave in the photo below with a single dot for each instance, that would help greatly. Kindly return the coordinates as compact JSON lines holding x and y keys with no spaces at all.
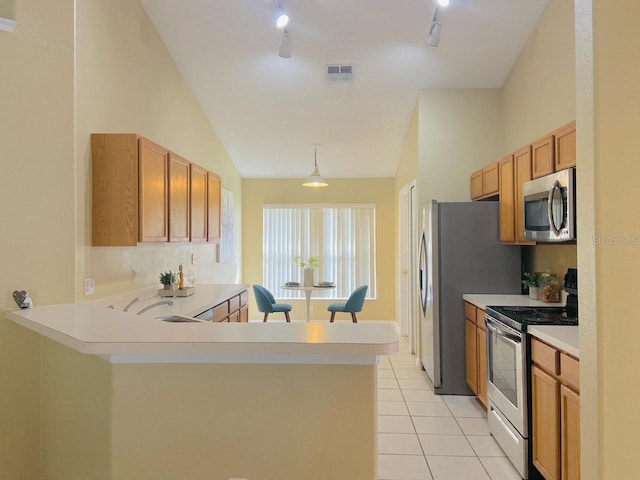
{"x":549,"y":207}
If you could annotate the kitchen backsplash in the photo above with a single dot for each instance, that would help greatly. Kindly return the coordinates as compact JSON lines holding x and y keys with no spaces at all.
{"x":554,"y":257}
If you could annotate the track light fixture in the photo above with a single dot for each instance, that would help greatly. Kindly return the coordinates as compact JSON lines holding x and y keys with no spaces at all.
{"x":285,"y":47}
{"x":315,"y":180}
{"x":443,"y":3}
{"x":282,"y":19}
{"x":436,"y":28}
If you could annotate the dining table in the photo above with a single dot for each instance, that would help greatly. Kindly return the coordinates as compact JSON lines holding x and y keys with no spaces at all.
{"x":308,"y":289}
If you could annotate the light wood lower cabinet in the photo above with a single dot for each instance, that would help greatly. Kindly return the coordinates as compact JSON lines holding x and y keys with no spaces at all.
{"x":476,"y":351}
{"x":555,"y":412}
{"x":234,"y":309}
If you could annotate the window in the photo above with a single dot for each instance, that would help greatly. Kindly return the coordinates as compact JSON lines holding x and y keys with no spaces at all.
{"x":341,"y":236}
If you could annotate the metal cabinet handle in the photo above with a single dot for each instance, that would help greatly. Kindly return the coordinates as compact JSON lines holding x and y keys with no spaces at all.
{"x":508,"y":336}
{"x":552,"y":223}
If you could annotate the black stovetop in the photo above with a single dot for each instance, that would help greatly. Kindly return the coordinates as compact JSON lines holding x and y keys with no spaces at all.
{"x":521,"y":317}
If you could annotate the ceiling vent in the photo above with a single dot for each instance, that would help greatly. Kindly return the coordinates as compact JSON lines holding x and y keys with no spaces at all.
{"x":340,"y":73}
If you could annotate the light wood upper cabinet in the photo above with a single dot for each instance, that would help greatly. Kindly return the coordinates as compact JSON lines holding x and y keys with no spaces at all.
{"x":522,"y":160}
{"x":476,"y":184}
{"x":543,"y":157}
{"x":485,"y":183}
{"x":507,"y":200}
{"x":154,"y":190}
{"x":114,"y":190}
{"x":179,"y":199}
{"x":490,"y":179}
{"x":141,"y":192}
{"x":213,"y":207}
{"x":198,"y":204}
{"x":565,"y":146}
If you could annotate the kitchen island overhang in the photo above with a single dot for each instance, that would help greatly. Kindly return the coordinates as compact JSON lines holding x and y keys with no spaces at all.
{"x":128,"y":396}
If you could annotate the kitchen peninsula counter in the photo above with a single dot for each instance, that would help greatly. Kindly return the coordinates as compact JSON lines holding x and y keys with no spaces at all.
{"x":132,"y":396}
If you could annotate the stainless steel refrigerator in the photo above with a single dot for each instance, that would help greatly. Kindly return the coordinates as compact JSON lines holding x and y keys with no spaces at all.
{"x":460,"y":252}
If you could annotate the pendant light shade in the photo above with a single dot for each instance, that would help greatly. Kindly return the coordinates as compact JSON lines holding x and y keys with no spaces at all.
{"x":315,"y":180}
{"x":285,"y":47}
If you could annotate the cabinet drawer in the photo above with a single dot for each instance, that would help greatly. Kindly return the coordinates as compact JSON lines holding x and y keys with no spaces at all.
{"x":234,"y":303}
{"x":570,"y":371}
{"x":220,"y":312}
{"x":244,"y":314}
{"x":234,"y":317}
{"x":480,"y":319}
{"x":470,"y":311}
{"x":545,"y":356}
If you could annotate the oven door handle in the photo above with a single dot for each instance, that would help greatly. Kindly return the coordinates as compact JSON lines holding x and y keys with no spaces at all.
{"x":508,"y":336}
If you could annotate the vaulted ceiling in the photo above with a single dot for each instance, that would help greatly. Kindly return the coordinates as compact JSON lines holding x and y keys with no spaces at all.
{"x":269,"y":111}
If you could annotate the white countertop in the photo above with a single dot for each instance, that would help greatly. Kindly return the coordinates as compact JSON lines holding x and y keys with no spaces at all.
{"x":124,"y":337}
{"x":485,"y":300}
{"x":563,"y":337}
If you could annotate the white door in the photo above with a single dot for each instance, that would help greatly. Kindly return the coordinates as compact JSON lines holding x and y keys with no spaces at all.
{"x":407,"y":285}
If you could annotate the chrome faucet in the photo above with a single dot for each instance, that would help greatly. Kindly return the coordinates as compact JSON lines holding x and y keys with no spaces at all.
{"x":149,"y":307}
{"x":126,"y":309}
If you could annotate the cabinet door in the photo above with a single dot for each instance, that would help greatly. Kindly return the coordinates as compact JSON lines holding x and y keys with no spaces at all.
{"x":566,"y":146}
{"x":244,"y":314}
{"x":522,"y":160}
{"x":490,"y":179}
{"x":154,"y":190}
{"x":476,"y":184}
{"x":507,"y":200}
{"x":543,"y":161}
{"x":472,"y":355}
{"x":481,"y":345}
{"x":198,"y":204}
{"x":178,"y":199}
{"x":213,"y":207}
{"x":570,"y":433}
{"x":546,"y":423}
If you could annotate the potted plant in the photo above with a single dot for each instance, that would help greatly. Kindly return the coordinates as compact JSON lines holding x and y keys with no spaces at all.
{"x":308,"y":267}
{"x":532,"y":282}
{"x":168,"y":279}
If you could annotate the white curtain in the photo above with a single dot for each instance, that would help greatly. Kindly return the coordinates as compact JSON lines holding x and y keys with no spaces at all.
{"x":341,"y":236}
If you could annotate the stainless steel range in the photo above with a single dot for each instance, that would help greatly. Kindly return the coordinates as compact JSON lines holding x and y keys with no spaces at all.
{"x":508,"y":370}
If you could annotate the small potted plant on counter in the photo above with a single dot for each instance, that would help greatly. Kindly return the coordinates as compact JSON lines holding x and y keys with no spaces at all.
{"x":168,"y":279}
{"x":308,"y":267}
{"x":531,"y":281}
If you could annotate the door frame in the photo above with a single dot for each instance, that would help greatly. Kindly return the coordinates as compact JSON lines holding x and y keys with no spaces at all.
{"x":407,"y":261}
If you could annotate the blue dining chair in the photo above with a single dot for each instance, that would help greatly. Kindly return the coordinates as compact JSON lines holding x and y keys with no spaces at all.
{"x":354,"y":304}
{"x":267,"y":303}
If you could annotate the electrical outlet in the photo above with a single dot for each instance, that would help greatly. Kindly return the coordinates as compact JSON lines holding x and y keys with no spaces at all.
{"x":89,"y":286}
{"x":193,"y":259}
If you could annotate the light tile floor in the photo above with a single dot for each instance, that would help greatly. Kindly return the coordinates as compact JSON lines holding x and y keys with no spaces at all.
{"x":424,"y":436}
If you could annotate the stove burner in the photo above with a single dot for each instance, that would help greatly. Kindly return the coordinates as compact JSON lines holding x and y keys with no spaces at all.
{"x":519,"y":309}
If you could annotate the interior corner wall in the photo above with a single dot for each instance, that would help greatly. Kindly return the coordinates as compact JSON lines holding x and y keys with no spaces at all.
{"x":127,"y":82}
{"x":37,"y":194}
{"x":459,"y":132}
{"x":379,"y":191}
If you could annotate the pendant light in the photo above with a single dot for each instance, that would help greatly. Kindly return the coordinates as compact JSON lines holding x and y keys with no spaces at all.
{"x":315,"y":180}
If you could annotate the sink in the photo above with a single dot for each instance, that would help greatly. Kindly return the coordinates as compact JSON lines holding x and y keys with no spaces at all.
{"x":179,"y":318}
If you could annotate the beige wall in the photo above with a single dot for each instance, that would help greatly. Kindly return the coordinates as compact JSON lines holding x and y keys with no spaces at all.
{"x":538,"y":96}
{"x":616,"y":103}
{"x":379,"y":191}
{"x":37,"y":195}
{"x":459,"y":132}
{"x":128,"y":82}
{"x":8,"y":9}
{"x":197,"y":422}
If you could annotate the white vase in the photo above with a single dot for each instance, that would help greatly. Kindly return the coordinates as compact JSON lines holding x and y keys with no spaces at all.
{"x":534,"y":293}
{"x":309,"y":274}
